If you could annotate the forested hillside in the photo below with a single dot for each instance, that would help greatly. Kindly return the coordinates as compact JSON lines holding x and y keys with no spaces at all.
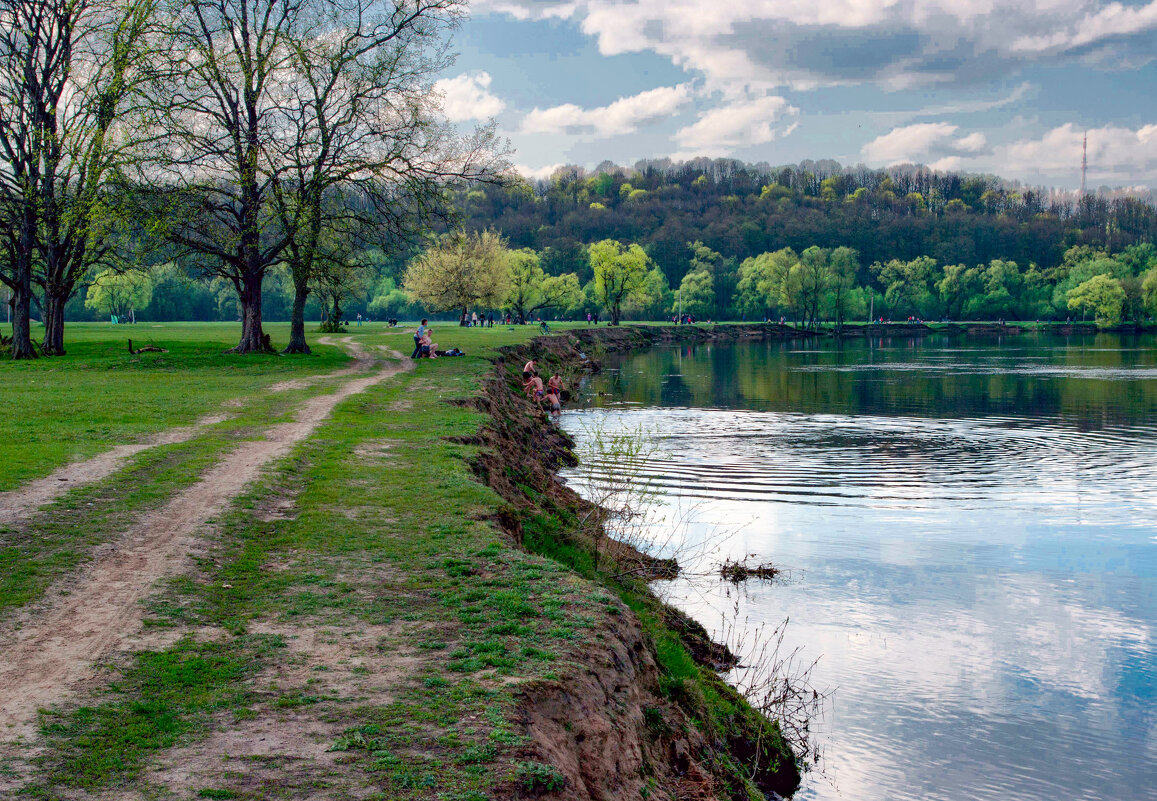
{"x":726,"y":240}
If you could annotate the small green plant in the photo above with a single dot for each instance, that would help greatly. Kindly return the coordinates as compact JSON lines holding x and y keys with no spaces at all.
{"x":536,"y":777}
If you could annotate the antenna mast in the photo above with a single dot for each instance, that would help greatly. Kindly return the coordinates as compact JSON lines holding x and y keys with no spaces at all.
{"x":1084,"y":160}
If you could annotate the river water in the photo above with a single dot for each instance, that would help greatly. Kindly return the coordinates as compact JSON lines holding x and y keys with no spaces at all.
{"x":969,"y":534}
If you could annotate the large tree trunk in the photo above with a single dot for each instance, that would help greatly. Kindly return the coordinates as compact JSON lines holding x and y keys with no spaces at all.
{"x":21,"y":319}
{"x":253,"y":339}
{"x":615,"y":314}
{"x":53,"y":344}
{"x":297,"y":343}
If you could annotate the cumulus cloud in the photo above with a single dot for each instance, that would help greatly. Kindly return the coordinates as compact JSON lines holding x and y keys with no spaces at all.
{"x":720,"y":131}
{"x":920,"y":141}
{"x":536,"y":173}
{"x":757,"y":45}
{"x":1115,"y":153}
{"x":468,"y":97}
{"x":623,"y":116}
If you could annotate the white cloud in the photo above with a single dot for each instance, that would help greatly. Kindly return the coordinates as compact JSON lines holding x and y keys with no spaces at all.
{"x":1115,"y":153}
{"x":754,"y":46}
{"x":536,"y":173}
{"x":623,"y":116}
{"x":973,"y":143}
{"x":1113,"y":20}
{"x":723,"y":130}
{"x":909,"y":143}
{"x":468,"y":97}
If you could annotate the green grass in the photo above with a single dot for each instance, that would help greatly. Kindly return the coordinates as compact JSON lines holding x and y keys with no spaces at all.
{"x":99,"y":395}
{"x":386,"y":533}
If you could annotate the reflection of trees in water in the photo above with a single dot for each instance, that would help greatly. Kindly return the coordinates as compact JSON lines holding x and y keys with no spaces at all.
{"x":1085,"y":378}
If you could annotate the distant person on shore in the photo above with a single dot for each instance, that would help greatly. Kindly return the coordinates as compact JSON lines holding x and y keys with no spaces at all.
{"x":490,"y":320}
{"x":588,"y":319}
{"x":418,"y":338}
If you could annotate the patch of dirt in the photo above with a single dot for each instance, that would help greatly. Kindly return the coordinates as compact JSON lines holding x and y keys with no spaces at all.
{"x":52,"y":654}
{"x":374,"y":448}
{"x":290,"y":748}
{"x":363,"y":360}
{"x":18,"y":505}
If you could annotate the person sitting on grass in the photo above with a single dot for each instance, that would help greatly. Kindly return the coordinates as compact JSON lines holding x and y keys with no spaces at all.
{"x":427,"y":348}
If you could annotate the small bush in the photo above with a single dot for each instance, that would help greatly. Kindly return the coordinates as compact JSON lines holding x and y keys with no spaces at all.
{"x":535,"y":777}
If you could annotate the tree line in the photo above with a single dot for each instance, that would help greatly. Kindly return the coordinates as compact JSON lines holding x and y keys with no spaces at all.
{"x":227,"y":137}
{"x":479,"y":271}
{"x":744,"y":210}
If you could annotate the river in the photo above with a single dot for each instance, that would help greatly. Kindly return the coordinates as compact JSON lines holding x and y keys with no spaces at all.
{"x":968,"y":533}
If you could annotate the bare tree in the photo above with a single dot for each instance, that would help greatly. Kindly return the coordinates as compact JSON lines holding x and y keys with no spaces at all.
{"x":30,"y":55}
{"x":219,"y":103}
{"x":69,"y":70}
{"x":371,"y":157}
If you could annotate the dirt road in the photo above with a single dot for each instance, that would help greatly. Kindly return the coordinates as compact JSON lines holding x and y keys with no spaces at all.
{"x":54,"y":653}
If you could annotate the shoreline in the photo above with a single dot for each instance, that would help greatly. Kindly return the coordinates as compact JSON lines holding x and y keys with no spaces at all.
{"x":656,"y":692}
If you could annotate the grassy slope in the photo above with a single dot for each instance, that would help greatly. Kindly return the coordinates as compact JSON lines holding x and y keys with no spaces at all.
{"x":359,"y":594}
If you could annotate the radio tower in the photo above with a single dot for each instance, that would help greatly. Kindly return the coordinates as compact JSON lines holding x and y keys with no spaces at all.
{"x":1084,"y":160}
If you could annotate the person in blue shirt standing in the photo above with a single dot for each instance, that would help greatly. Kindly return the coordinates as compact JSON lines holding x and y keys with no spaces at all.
{"x":418,"y":338}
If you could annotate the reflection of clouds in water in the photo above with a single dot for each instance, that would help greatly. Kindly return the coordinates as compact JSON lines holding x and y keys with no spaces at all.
{"x":996,"y":369}
{"x":970,"y":535}
{"x":1062,"y":475}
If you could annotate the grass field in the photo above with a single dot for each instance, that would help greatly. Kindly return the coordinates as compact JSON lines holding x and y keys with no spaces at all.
{"x":355,"y":609}
{"x":339,"y":597}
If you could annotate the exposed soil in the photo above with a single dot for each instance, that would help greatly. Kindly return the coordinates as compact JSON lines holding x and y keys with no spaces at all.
{"x":53,"y":653}
{"x":20,"y":504}
{"x":611,"y":729}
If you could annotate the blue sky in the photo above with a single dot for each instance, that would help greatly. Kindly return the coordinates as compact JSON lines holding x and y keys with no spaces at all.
{"x":999,"y":86}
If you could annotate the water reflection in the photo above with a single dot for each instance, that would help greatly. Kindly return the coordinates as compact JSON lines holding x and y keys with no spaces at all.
{"x":972,"y":539}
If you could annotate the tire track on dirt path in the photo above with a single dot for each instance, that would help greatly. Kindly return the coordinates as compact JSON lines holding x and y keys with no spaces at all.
{"x":19,"y":504}
{"x":51,"y":655}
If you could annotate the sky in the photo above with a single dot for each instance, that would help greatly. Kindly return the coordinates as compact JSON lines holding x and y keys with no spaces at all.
{"x":1008,"y":87}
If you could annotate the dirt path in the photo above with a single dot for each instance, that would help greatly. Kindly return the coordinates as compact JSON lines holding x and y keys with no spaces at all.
{"x":18,"y":505}
{"x":52,"y":654}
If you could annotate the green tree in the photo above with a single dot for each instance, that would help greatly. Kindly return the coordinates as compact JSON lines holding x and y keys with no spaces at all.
{"x":119,"y":293}
{"x":696,"y":294}
{"x":1149,"y":292}
{"x":461,"y":271}
{"x":532,"y":290}
{"x":1101,"y":295}
{"x":620,"y":272}
{"x":843,"y":264}
{"x":766,"y":282}
{"x":906,"y":284}
{"x":813,"y":277}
